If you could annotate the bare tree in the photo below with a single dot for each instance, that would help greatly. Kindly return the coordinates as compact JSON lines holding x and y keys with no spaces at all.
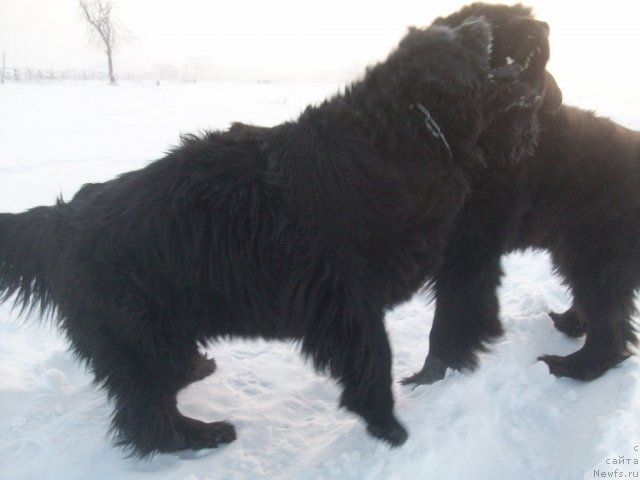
{"x":105,"y":29}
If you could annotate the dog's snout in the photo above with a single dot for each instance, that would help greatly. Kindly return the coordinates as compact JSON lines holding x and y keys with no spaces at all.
{"x":543,"y":25}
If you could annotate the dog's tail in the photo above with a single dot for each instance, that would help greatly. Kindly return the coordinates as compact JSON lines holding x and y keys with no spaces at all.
{"x":28,"y":253}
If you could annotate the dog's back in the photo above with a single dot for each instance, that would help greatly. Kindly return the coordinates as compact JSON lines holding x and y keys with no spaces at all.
{"x":134,"y":223}
{"x":583,"y":184}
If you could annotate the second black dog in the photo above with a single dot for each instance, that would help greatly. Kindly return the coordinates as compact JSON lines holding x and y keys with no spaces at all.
{"x":578,"y":198}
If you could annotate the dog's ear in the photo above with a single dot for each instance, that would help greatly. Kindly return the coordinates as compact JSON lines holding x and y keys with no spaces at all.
{"x":476,"y":33}
{"x":552,"y":95}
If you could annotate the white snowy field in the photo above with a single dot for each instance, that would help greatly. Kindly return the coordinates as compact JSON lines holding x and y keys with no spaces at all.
{"x":509,"y":420}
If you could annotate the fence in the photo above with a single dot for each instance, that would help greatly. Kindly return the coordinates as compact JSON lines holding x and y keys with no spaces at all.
{"x":41,"y":75}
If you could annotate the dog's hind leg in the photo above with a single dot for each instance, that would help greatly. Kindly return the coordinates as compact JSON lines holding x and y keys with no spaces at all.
{"x":606,"y":310}
{"x":142,"y":369}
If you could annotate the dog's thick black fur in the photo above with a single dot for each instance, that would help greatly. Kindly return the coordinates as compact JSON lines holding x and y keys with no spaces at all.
{"x":309,"y":230}
{"x":578,"y":198}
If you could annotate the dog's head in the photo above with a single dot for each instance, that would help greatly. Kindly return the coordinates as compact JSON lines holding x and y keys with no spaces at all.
{"x":443,"y":67}
{"x":450,"y":71}
{"x":439,"y":51}
{"x":518,"y":38}
{"x":447,"y":75}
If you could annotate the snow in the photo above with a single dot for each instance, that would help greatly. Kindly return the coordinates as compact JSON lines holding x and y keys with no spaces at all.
{"x":510,"y":419}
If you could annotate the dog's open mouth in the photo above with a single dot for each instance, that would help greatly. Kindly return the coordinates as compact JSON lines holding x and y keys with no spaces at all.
{"x":525,"y":46}
{"x":526,"y":54}
{"x":519,"y":62}
{"x":523,"y":51}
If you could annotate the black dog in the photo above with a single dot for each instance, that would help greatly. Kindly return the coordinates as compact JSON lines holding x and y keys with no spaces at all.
{"x":578,"y":198}
{"x":310,"y":230}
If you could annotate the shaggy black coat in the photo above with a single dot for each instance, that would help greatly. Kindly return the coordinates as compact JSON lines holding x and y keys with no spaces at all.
{"x":309,"y":230}
{"x":578,"y":198}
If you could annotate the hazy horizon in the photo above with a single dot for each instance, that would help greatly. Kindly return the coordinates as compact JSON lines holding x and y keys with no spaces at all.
{"x":593,"y":44}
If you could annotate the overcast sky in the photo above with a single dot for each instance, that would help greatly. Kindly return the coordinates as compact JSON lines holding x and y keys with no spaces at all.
{"x":593,"y":43}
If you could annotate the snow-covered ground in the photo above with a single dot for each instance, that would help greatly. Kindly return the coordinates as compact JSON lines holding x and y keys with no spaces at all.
{"x":508,"y":420}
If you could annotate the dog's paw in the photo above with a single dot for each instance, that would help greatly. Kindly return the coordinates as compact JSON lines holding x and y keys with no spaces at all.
{"x":433,"y":370}
{"x":199,"y":435}
{"x":581,"y":366}
{"x":390,"y":432}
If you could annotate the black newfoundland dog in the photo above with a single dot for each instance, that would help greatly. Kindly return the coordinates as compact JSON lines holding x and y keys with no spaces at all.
{"x":578,"y":198}
{"x":309,"y":230}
